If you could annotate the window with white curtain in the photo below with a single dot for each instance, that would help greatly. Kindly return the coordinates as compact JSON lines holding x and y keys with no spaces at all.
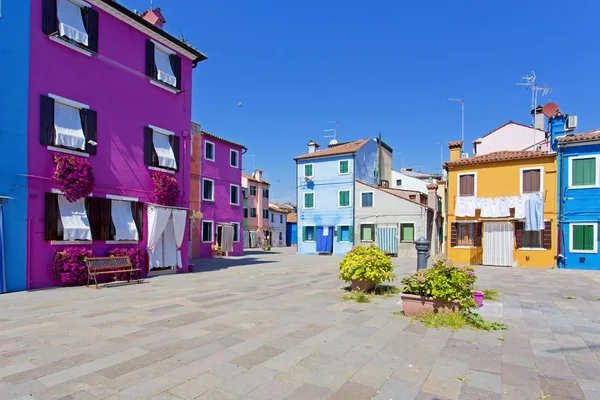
{"x":163,"y":67}
{"x":122,"y":219}
{"x":69,"y":130}
{"x":164,"y":151}
{"x":70,"y":22}
{"x":75,"y":223}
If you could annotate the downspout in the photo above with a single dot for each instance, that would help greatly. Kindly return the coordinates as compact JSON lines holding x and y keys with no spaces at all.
{"x":560,"y":258}
{"x":379,"y":161}
{"x":297,"y":211}
{"x":354,"y":198}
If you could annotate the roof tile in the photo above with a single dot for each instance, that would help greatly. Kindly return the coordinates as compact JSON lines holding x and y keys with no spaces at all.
{"x":499,"y":156}
{"x":342,"y":148}
{"x":581,"y":137}
{"x":205,"y":133}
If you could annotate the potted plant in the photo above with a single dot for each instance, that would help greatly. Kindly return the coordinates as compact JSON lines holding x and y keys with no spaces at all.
{"x":366,"y":267}
{"x":443,"y":285}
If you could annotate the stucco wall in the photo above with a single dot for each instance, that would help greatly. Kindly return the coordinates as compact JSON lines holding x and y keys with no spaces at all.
{"x":408,"y":182}
{"x":14,"y":50}
{"x":125,"y":104}
{"x":366,"y":163}
{"x":276,"y":226}
{"x":195,"y":194}
{"x":510,"y":137}
{"x":258,"y":202}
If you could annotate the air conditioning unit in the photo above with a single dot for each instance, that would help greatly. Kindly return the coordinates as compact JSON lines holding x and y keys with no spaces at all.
{"x":464,"y":155}
{"x":571,"y":122}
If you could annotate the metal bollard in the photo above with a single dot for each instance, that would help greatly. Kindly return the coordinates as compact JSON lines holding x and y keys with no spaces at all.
{"x":422,"y":245}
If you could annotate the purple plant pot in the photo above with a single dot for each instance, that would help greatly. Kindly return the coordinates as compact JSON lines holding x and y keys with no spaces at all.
{"x":191,"y":268}
{"x":478,"y":297}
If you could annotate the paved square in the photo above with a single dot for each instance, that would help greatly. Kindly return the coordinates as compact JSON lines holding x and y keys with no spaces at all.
{"x":270,"y":325}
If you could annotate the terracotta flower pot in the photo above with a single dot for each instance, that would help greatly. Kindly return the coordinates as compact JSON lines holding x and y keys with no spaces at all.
{"x":364,"y":286}
{"x":413,"y":304}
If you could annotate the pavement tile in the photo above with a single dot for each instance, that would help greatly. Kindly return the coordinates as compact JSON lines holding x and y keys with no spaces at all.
{"x":442,"y":387}
{"x":448,"y":369}
{"x":272,"y":390}
{"x":256,"y":357}
{"x":217,"y":394}
{"x":227,"y":370}
{"x":248,"y":381}
{"x":484,"y":380}
{"x":555,"y":388}
{"x":197,"y":386}
{"x":354,"y":391}
{"x":471,"y":393}
{"x":297,"y":374}
{"x":553,"y":368}
{"x":519,"y":376}
{"x":397,"y":390}
{"x":310,"y":392}
{"x":520,"y":393}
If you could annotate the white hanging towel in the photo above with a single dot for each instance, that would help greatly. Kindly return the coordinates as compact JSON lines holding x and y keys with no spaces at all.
{"x":67,"y":122}
{"x":504,"y":206}
{"x":122,"y":219}
{"x":163,"y":66}
{"x":71,"y":22}
{"x":534,"y":219}
{"x":74,"y":219}
{"x":460,"y":209}
{"x":519,"y":204}
{"x":486,"y":208}
{"x":470,"y":206}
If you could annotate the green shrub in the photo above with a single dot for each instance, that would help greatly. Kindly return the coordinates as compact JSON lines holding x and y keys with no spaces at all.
{"x":357,"y":296}
{"x":443,"y":281}
{"x":366,"y":263}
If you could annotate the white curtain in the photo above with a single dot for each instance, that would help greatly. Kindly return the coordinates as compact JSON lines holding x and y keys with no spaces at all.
{"x":166,"y":157}
{"x":74,"y":219}
{"x":122,"y":218}
{"x":157,"y":221}
{"x":70,"y":21}
{"x":67,"y":122}
{"x":179,"y":224}
{"x":498,"y":243}
{"x":169,"y":246}
{"x":227,"y":238}
{"x":163,"y":66}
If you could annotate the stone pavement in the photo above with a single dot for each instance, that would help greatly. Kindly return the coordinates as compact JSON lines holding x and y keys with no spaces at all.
{"x":271,"y":326}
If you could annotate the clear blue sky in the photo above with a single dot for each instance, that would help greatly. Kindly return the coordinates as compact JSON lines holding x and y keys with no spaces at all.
{"x":380,"y":66}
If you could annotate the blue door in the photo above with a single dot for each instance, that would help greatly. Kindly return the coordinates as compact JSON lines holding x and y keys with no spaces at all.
{"x":324,"y":239}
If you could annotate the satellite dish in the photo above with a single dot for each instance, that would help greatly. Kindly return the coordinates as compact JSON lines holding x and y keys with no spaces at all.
{"x":550,"y":110}
{"x":333,"y":141}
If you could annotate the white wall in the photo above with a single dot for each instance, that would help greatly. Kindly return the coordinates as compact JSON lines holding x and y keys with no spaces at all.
{"x":511,"y":137}
{"x":408,"y":182}
{"x":277,"y":224}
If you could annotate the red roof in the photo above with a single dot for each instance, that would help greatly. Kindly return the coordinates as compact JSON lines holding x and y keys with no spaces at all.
{"x":499,"y":156}
{"x":205,"y":133}
{"x":581,"y":137}
{"x":453,"y":145}
{"x":342,"y":148}
{"x":394,"y":192}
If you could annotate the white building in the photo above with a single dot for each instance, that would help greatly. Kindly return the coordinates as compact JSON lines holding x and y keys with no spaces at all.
{"x":512,"y":136}
{"x":278,"y":223}
{"x":407,"y":179}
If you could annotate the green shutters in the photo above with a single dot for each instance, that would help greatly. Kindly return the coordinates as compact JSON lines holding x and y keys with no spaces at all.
{"x":367,"y":232}
{"x":583,"y":238}
{"x":309,"y":200}
{"x":344,"y":167}
{"x":583,"y":172}
{"x":339,"y":233}
{"x":304,"y":234}
{"x":308,"y":170}
{"x":407,"y":232}
{"x":344,"y":198}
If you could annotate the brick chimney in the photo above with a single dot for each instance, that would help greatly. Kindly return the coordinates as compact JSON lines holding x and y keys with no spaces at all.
{"x":455,"y":150}
{"x":155,"y":17}
{"x":257,"y":175}
{"x":432,"y":198}
{"x":313,"y":146}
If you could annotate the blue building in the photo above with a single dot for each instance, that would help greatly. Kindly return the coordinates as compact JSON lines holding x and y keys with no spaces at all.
{"x":579,"y":191}
{"x":14,"y":46}
{"x":325,"y":193}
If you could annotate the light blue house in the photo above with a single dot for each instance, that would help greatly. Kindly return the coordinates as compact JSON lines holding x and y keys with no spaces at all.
{"x":14,"y":51}
{"x":579,"y":194}
{"x":325,"y":194}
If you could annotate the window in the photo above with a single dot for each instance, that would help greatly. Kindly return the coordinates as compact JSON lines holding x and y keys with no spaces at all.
{"x":367,"y":232}
{"x":532,"y":239}
{"x":209,"y":151}
{"x":265,"y":214}
{"x":161,"y":148}
{"x":236,"y":231}
{"x":67,"y":124}
{"x":583,"y":172}
{"x":466,"y":234}
{"x":163,"y":65}
{"x":252,"y":212}
{"x":280,"y":235}
{"x":309,"y":200}
{"x":272,"y":218}
{"x":71,"y":21}
{"x":308,"y":170}
{"x":466,"y":184}
{"x":245,"y":212}
{"x":265,"y":193}
{"x":244,"y":193}
{"x":234,"y":156}
{"x":412,"y":197}
{"x":531,"y":180}
{"x":366,"y":199}
{"x":344,"y":198}
{"x":252,"y":190}
{"x":398,"y":182}
{"x":309,"y":234}
{"x":584,"y":238}
{"x":207,"y":231}
{"x":234,"y":194}
{"x":208,"y":189}
{"x":344,"y":234}
{"x":343,"y":167}
{"x":407,"y":232}
{"x":280,"y":219}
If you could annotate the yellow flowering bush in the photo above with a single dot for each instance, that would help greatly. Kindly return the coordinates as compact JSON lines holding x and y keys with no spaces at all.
{"x":366,"y":263}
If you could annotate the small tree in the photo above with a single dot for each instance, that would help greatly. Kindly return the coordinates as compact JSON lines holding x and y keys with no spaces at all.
{"x":366,"y":263}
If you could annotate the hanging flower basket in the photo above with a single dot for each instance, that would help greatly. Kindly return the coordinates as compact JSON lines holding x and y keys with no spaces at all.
{"x":166,"y":188}
{"x":75,"y":175}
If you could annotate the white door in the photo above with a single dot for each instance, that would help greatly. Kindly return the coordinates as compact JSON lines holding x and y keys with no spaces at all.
{"x":498,"y":243}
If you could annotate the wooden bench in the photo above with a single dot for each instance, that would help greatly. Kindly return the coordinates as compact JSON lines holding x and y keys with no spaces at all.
{"x":109,"y":265}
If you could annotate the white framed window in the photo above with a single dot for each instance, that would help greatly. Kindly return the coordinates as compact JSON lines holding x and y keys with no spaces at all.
{"x":67,"y":123}
{"x":209,"y":151}
{"x":309,"y":200}
{"x":208,"y":189}
{"x":234,"y":194}
{"x":207,"y":231}
{"x":343,"y":167}
{"x":532,"y":239}
{"x":584,"y":172}
{"x":309,"y":170}
{"x":367,"y":232}
{"x":123,"y":221}
{"x":344,"y":198}
{"x":467,"y":184}
{"x":70,"y":21}
{"x":234,"y":158}
{"x":236,"y":231}
{"x":164,"y":69}
{"x":532,"y":180}
{"x":253,"y":212}
{"x":309,"y":233}
{"x":74,"y":219}
{"x":407,"y":232}
{"x":583,"y":237}
{"x":162,"y":141}
{"x":367,"y":199}
{"x":252,"y":190}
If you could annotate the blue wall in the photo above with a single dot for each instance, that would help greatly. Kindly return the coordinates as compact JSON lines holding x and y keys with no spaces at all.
{"x":291,"y":234}
{"x":366,"y":163}
{"x":579,"y":205}
{"x":14,"y":68}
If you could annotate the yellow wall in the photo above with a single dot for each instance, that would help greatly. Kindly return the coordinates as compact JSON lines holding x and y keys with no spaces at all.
{"x":502,"y":179}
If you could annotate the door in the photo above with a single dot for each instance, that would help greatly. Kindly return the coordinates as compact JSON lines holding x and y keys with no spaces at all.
{"x":220,"y":235}
{"x":324,"y":239}
{"x":498,"y":244}
{"x":387,"y":239}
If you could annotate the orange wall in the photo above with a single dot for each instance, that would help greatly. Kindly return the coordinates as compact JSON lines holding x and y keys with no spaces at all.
{"x":195,"y":179}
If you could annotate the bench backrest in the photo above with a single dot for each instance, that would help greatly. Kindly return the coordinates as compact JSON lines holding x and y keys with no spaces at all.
{"x":103,"y":263}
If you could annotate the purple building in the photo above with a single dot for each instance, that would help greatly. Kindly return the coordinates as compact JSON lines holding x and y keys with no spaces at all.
{"x":109,"y":86}
{"x":222,"y":203}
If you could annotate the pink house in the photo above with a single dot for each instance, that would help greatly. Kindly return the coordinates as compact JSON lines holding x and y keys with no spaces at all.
{"x":257,"y":191}
{"x":222,"y":203}
{"x":108,"y":86}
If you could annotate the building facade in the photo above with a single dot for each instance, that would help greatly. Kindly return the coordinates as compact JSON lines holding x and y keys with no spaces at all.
{"x":195,"y":189}
{"x":278,"y":224}
{"x":502,"y":208}
{"x":118,"y":95}
{"x":257,"y":191}
{"x":513,"y":136}
{"x":220,"y":196}
{"x":326,"y":193}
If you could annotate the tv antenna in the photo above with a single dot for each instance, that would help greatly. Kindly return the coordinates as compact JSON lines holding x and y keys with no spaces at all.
{"x":535,"y":88}
{"x":335,"y":132}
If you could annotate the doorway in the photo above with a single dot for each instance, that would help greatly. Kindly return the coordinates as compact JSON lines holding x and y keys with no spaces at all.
{"x":498,"y":244}
{"x":324,"y":239}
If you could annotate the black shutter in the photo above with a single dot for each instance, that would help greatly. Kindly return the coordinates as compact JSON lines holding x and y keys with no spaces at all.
{"x":49,"y":17}
{"x":89,"y":123}
{"x":453,"y":234}
{"x":174,"y":139}
{"x":51,"y":216}
{"x":150,"y":63}
{"x":176,"y":65}
{"x":547,"y":236}
{"x":137,"y":208}
{"x":148,"y":146}
{"x":519,"y":234}
{"x":47,"y":130}
{"x":477,"y":234}
{"x":90,"y":19}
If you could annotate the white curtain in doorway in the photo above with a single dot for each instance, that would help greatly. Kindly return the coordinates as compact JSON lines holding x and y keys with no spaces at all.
{"x":169,"y":246}
{"x":157,"y":221}
{"x":179,"y":223}
{"x":227,"y":238}
{"x":498,"y":243}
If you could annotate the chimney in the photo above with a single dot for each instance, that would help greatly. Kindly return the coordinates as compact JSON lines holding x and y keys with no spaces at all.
{"x":432,"y":198}
{"x":155,"y":17}
{"x":312,"y":146}
{"x":455,"y":150}
{"x":539,"y":118}
{"x":558,"y":128}
{"x":257,"y":175}
{"x":408,"y":169}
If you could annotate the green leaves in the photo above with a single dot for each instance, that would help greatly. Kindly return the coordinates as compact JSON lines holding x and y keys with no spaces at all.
{"x":366,"y":263}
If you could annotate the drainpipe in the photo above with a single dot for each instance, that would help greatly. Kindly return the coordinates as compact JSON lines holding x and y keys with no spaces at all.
{"x":560,"y":258}
{"x":354,"y":198}
{"x":297,"y":211}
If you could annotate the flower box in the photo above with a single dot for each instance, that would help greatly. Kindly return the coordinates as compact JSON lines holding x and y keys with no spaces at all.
{"x":414,"y":304}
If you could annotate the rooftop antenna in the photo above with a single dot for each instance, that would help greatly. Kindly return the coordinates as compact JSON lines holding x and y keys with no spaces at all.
{"x":335,"y":132}
{"x":535,"y":88}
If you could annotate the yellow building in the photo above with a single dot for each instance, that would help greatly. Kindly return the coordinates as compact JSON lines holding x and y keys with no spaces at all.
{"x":492,"y":200}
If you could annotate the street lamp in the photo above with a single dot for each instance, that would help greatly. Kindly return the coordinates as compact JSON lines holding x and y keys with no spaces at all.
{"x":462,"y":102}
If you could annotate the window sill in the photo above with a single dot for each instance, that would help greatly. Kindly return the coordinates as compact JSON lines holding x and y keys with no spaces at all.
{"x":234,"y":204}
{"x":584,"y":187}
{"x":367,"y":241}
{"x":168,"y":171}
{"x":164,"y":86}
{"x":70,"y":242}
{"x":344,"y":206}
{"x":67,"y":151}
{"x":583,"y":251}
{"x":465,"y":247}
{"x":208,"y":159}
{"x":532,"y":249}
{"x":309,"y":241}
{"x":70,"y":45}
{"x":234,"y":166}
{"x":203,"y":199}
{"x":122,"y":242}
